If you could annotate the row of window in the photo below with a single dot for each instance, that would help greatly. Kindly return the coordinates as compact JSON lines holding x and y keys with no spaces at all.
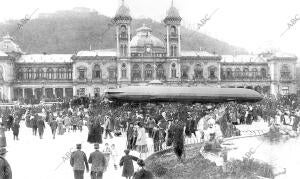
{"x":50,"y":73}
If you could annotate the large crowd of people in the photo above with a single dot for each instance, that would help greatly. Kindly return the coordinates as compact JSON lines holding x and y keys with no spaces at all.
{"x":164,"y":123}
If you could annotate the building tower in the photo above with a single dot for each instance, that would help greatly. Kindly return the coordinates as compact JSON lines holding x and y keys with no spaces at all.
{"x":172,"y":22}
{"x":122,"y":22}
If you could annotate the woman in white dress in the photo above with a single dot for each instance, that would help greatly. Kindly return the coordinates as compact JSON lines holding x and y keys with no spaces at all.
{"x":141,"y":141}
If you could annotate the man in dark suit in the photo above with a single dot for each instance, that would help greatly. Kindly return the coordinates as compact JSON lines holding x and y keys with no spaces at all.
{"x":99,"y":163}
{"x":78,"y":160}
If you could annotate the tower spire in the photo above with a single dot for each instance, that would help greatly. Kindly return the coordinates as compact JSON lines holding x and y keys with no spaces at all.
{"x":122,"y":2}
{"x":172,"y":3}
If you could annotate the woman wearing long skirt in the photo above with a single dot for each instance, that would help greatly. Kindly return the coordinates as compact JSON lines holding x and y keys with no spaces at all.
{"x":141,"y":141}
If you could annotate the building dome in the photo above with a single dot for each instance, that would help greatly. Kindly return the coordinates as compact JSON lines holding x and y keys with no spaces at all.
{"x":144,"y":38}
{"x":123,"y":12}
{"x":7,"y":45}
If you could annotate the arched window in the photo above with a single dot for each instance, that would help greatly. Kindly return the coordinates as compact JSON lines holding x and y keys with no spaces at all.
{"x":285,"y":72}
{"x":148,"y":72}
{"x":123,"y":50}
{"x":63,"y":73}
{"x":184,"y":72}
{"x":123,"y":71}
{"x":245,"y":72}
{"x":173,"y":71}
{"x":173,"y":31}
{"x":123,"y":31}
{"x":50,"y":74}
{"x":39,"y":74}
{"x":19,"y":74}
{"x":198,"y":72}
{"x":82,"y":73}
{"x":254,"y":73}
{"x":70,"y":73}
{"x":60,"y":73}
{"x":229,"y":73}
{"x":136,"y":72}
{"x":263,"y":73}
{"x":160,"y":72}
{"x":112,"y":75}
{"x":173,"y":51}
{"x":30,"y":73}
{"x":97,"y":72}
{"x":237,"y":73}
{"x":212,"y":72}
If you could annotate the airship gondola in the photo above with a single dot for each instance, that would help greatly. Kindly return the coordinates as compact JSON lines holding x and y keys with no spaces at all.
{"x":181,"y":94}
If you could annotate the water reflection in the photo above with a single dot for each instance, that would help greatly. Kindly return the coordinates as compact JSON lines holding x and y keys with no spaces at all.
{"x":280,"y":151}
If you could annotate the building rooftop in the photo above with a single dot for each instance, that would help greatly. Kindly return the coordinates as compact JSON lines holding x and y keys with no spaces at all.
{"x":196,"y":53}
{"x":243,"y":59}
{"x":103,"y":53}
{"x":45,"y":58}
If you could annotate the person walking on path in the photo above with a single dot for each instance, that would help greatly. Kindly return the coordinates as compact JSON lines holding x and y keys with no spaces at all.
{"x":41,"y":127}
{"x":98,"y":161}
{"x":34,"y":124}
{"x":141,"y":141}
{"x":15,"y":129}
{"x":53,"y":126}
{"x":5,"y":170}
{"x":114,"y":155}
{"x":107,"y":127}
{"x":126,"y":162}
{"x":79,"y":161}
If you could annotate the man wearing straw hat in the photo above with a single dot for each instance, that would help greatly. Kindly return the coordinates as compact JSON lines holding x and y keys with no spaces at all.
{"x":5,"y":170}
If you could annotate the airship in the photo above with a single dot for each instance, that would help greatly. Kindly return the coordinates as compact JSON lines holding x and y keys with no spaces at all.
{"x":181,"y":94}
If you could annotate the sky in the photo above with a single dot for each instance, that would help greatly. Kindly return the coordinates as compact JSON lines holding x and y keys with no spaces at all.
{"x":255,"y":25}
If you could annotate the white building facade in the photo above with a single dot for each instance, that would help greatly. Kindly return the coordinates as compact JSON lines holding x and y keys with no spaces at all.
{"x":139,"y":57}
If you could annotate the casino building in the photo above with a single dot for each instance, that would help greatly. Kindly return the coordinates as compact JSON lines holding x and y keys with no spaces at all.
{"x":138,"y":58}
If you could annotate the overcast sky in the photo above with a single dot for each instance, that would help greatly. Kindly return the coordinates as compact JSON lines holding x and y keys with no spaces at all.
{"x":252,"y":24}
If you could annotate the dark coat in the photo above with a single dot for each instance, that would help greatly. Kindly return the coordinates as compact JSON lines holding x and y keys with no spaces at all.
{"x":78,"y":160}
{"x":15,"y":128}
{"x":34,"y":122}
{"x":53,"y":125}
{"x":5,"y":170}
{"x":143,"y":174}
{"x":98,"y":161}
{"x":95,"y":133}
{"x":41,"y":125}
{"x":126,"y":162}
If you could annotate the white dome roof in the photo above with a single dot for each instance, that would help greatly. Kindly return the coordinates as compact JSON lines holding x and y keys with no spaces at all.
{"x":145,"y":38}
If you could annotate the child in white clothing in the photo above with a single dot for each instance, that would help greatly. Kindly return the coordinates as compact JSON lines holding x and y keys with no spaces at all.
{"x":114,"y":155}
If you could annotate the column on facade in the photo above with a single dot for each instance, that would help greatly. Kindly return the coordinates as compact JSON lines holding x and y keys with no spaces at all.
{"x":64,"y":92}
{"x":179,"y":42}
{"x":154,"y":70}
{"x":168,"y":42}
{"x":128,"y":42}
{"x":53,"y":89}
{"x":23,"y":92}
{"x":118,"y":41}
{"x":143,"y":77}
{"x":33,"y":92}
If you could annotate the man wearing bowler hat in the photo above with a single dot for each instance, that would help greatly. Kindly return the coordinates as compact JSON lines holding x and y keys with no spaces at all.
{"x":98,"y":161}
{"x":78,"y":160}
{"x":5,"y":170}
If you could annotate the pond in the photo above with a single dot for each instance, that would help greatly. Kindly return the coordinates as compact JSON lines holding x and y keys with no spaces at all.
{"x":281,"y":152}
